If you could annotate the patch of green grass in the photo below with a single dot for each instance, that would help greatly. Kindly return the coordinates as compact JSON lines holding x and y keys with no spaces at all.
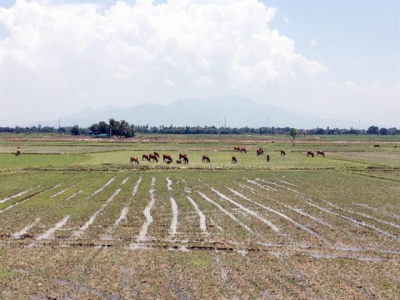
{"x":5,"y":273}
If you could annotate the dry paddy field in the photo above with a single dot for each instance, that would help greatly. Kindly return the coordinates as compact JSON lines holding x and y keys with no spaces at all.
{"x":89,"y":225}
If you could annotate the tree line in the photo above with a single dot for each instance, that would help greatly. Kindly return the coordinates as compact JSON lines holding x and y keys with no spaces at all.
{"x":123,"y":129}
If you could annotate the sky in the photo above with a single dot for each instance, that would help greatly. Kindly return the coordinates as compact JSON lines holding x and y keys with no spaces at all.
{"x":332,"y":58}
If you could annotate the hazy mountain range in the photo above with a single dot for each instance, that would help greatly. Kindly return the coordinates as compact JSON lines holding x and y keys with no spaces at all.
{"x":233,"y":111}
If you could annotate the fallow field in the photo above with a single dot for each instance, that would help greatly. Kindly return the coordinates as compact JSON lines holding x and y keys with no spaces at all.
{"x":79,"y":221}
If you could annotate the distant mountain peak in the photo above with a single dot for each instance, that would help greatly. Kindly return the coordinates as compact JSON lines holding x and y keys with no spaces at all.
{"x":236,"y":110}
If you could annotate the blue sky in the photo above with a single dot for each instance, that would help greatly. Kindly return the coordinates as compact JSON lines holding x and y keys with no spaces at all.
{"x":355,"y":38}
{"x":335,"y":59}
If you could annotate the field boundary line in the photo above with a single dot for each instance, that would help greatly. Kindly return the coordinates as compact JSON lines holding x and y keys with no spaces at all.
{"x":49,"y":233}
{"x":283,"y":216}
{"x":314,"y":218}
{"x":253,"y":213}
{"x":359,"y":173}
{"x":72,"y":196}
{"x":318,"y":220}
{"x":174,"y":222}
{"x":103,"y":187}
{"x":393,"y":215}
{"x":352,"y":220}
{"x":226,"y":212}
{"x":24,"y":230}
{"x":203,"y":225}
{"x":287,"y":182}
{"x":28,"y":198}
{"x":361,"y":214}
{"x":125,"y":180}
{"x":59,"y":193}
{"x":276,"y":184}
{"x":78,"y":232}
{"x":169,"y":183}
{"x":147,"y":213}
{"x":17,"y":195}
{"x":124,"y":211}
{"x":260,"y":185}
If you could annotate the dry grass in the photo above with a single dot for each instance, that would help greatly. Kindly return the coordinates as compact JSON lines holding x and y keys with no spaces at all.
{"x":81,"y":235}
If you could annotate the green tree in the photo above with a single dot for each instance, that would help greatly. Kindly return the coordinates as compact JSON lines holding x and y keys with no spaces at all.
{"x":383,"y":131}
{"x":293,"y":134}
{"x":123,"y":128}
{"x":75,"y":130}
{"x":114,"y":126}
{"x":373,"y":130}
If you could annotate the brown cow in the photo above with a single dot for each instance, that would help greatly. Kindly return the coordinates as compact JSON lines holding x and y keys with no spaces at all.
{"x":135,"y":160}
{"x":268,"y":158}
{"x":156,"y":154}
{"x":321,"y":153}
{"x":310,"y":153}
{"x":167,"y":157}
{"x":236,"y":148}
{"x":234,"y":160}
{"x":377,"y":146}
{"x":178,"y":161}
{"x":243,"y":150}
{"x":205,"y":158}
{"x":18,"y":153}
{"x":260,"y":151}
{"x":146,"y":157}
{"x":182,"y":155}
{"x":283,"y":152}
{"x":153,"y":157}
{"x":185,"y":159}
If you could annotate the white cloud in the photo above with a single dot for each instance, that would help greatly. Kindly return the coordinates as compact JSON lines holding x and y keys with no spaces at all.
{"x":286,"y":20}
{"x":314,"y":42}
{"x":203,"y":82}
{"x":127,"y":53}
{"x":168,"y":83}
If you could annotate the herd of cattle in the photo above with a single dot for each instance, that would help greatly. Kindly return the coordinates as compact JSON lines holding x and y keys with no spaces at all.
{"x":183,"y":158}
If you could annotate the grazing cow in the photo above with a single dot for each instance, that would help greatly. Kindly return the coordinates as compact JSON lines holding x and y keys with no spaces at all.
{"x":234,"y":160}
{"x":236,"y":148}
{"x":377,"y":146}
{"x":268,"y":158}
{"x":395,"y":147}
{"x":167,"y":157}
{"x":156,"y":154}
{"x":178,"y":161}
{"x":182,"y":155}
{"x":310,"y":153}
{"x":260,"y":151}
{"x":243,"y":150}
{"x":185,"y":160}
{"x":146,"y":157}
{"x":205,"y":158}
{"x":321,"y":153}
{"x":18,"y":153}
{"x":153,"y":157}
{"x":135,"y":160}
{"x":283,"y":152}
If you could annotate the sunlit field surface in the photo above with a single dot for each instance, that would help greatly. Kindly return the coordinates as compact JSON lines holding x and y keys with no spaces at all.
{"x":78,"y":220}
